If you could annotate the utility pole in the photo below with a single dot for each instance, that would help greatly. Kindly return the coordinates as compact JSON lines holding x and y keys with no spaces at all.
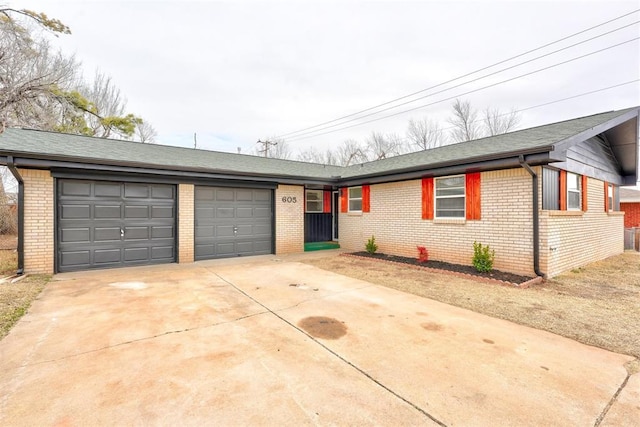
{"x":265,"y":146}
{"x":195,"y":140}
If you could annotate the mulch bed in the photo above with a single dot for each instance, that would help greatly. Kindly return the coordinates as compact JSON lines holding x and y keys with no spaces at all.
{"x":468,"y":271}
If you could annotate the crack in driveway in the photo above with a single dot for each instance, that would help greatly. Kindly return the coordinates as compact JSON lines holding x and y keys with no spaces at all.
{"x":334,"y":353}
{"x":177,"y":331}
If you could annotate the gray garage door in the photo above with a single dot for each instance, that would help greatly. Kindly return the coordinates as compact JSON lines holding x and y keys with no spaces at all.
{"x":232,"y":222}
{"x":104,"y":224}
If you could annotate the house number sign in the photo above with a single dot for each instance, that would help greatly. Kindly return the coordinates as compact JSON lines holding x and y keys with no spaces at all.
{"x":289,"y":199}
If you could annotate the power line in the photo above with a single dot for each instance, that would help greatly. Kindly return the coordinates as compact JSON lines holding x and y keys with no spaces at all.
{"x":466,"y":93}
{"x":460,"y":77}
{"x":591,"y":92}
{"x":461,"y":84}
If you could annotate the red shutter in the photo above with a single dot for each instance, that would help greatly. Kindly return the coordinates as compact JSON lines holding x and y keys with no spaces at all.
{"x":473,"y":195}
{"x":326,"y":202}
{"x":563,"y":190}
{"x":427,"y":198}
{"x":344,"y":201}
{"x":585,"y":203}
{"x":366,"y":190}
{"x":606,"y":196}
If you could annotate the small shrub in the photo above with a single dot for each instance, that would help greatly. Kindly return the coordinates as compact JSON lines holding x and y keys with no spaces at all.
{"x":423,"y":254}
{"x":371,"y":245}
{"x":483,"y":257}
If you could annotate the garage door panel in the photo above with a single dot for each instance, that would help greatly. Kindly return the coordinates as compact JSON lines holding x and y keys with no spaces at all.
{"x":244,"y":195}
{"x":107,"y":212}
{"x":75,"y":188}
{"x":205,"y":194}
{"x":262,"y":246}
{"x":136,"y":212}
{"x":106,"y":234}
{"x":237,"y":222}
{"x":108,"y":190}
{"x":136,"y":191}
{"x":224,"y":231}
{"x":136,"y":233}
{"x":107,"y":256}
{"x":75,"y":212}
{"x":75,"y":235}
{"x":161,"y":212}
{"x":162,"y":252}
{"x":262,"y":195}
{"x":136,"y":254}
{"x":262,"y":213}
{"x":205,"y":231}
{"x":162,"y":232}
{"x":76,"y":258}
{"x":205,"y":251}
{"x":90,"y":224}
{"x":224,"y":195}
{"x":162,"y":192}
{"x":225,"y":249}
{"x":225,"y":212}
{"x":244,"y":212}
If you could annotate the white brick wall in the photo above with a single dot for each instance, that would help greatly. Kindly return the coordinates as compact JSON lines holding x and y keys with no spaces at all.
{"x":289,"y":219}
{"x":186,"y":223}
{"x":396,"y":221}
{"x":572,"y":239}
{"x":39,"y":217}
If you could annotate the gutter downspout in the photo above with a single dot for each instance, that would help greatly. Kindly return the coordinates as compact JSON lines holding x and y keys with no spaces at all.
{"x":536,"y":217}
{"x":12,"y":167}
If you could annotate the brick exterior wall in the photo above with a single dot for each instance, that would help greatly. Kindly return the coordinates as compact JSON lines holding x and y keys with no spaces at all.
{"x":631,"y":214}
{"x":572,"y":239}
{"x":289,"y":219}
{"x":186,"y":223}
{"x":396,"y":221}
{"x":567,"y":239}
{"x":39,"y":218}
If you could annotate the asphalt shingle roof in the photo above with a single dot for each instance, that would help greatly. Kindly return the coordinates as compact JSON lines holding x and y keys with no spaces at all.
{"x":522,"y":140}
{"x":51,"y":145}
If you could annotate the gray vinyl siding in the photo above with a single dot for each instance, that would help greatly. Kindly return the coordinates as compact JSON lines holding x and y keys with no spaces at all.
{"x":550,"y":189}
{"x":595,"y":158}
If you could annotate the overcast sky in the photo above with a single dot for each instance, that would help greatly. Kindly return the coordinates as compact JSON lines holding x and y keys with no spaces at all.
{"x":233,"y":72}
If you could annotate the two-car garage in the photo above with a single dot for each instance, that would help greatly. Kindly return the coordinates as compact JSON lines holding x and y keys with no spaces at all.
{"x":105,"y":224}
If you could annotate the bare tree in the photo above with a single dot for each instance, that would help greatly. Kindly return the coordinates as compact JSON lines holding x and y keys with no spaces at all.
{"x":497,"y":122}
{"x":424,"y":134}
{"x":350,"y":152}
{"x":381,"y":146}
{"x":312,"y":155}
{"x":41,"y":88}
{"x":464,"y":121}
{"x":145,"y":133}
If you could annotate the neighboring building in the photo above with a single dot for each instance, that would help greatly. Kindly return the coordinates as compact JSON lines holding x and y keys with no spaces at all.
{"x":546,"y":199}
{"x":630,"y":205}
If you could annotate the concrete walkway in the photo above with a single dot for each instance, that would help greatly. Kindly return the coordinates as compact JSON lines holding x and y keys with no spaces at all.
{"x":267,"y":341}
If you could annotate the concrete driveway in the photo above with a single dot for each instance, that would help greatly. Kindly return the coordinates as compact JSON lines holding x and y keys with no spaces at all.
{"x":270,"y":341}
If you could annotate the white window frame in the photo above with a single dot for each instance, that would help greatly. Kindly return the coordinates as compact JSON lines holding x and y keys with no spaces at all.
{"x":456,"y":196}
{"x":578,"y":190}
{"x":349,"y":199}
{"x":306,"y":201}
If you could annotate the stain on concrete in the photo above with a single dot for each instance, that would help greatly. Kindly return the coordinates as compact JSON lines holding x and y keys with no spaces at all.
{"x":421,"y":313}
{"x":488,"y":341}
{"x":129,"y":285}
{"x":431,"y":326}
{"x":323,"y":327}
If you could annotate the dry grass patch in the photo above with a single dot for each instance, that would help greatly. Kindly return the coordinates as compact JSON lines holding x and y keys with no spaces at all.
{"x":597,"y":305}
{"x":15,"y":298}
